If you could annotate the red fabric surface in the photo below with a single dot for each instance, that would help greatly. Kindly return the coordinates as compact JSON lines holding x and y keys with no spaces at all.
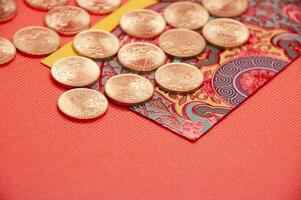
{"x":255,"y":153}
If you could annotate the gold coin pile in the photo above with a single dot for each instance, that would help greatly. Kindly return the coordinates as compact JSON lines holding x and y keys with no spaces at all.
{"x":190,"y":26}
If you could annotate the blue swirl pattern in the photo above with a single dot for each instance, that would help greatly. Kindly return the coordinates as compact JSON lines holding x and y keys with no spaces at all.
{"x":224,"y":78}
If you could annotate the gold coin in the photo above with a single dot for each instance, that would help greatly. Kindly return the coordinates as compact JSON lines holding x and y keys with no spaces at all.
{"x":45,"y":4}
{"x":142,"y":23}
{"x":179,"y":77}
{"x":36,"y":40}
{"x":182,"y":43}
{"x":8,"y":10}
{"x":96,"y":44}
{"x":75,"y":71}
{"x":129,"y":89}
{"x":7,"y":51}
{"x":83,"y":103}
{"x":141,"y":56}
{"x":67,"y":20}
{"x":99,"y":6}
{"x":226,"y":33}
{"x":226,"y":8}
{"x":186,"y":15}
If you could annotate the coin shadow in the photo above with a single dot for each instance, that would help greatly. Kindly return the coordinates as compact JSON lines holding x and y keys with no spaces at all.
{"x":80,"y":121}
{"x":6,"y":64}
{"x":141,"y":73}
{"x":31,"y":56}
{"x":57,"y":84}
{"x":225,"y":48}
{"x":172,"y":57}
{"x":7,"y":21}
{"x":122,"y":105}
{"x":177,"y":93}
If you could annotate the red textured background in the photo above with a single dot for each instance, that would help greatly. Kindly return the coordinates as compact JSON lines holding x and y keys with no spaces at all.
{"x":255,"y":153}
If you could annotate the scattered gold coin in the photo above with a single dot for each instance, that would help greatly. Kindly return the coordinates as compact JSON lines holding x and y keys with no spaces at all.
{"x":96,"y":44}
{"x":8,"y":10}
{"x":83,"y":103}
{"x":186,"y":15}
{"x":129,"y":89}
{"x":7,"y":51}
{"x":99,"y":6}
{"x":226,"y":8}
{"x":45,"y":4}
{"x":182,"y":43}
{"x":179,"y":77}
{"x":36,"y":40}
{"x":67,"y":20}
{"x":227,"y":33}
{"x":75,"y":71}
{"x":141,"y":56}
{"x":142,"y":23}
{"x":124,"y":89}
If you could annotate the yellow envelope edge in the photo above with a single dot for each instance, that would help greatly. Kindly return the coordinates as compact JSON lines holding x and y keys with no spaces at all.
{"x":107,"y":24}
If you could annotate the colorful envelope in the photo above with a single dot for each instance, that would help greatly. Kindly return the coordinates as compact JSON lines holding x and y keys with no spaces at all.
{"x":231,"y":75}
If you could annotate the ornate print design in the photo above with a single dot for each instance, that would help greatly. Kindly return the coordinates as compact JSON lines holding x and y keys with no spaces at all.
{"x":230,"y":75}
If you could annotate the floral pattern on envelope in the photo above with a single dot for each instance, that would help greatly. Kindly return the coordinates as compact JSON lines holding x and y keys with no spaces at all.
{"x":231,"y":75}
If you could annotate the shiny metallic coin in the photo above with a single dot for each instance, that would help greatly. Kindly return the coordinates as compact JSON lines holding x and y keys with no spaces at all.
{"x":7,"y":51}
{"x":182,"y":43}
{"x":83,"y":103}
{"x":141,"y":56}
{"x":75,"y":71}
{"x":45,"y":4}
{"x":36,"y":40}
{"x":8,"y":10}
{"x":99,"y":6}
{"x":227,"y":33}
{"x":96,"y":44}
{"x":179,"y":77}
{"x":186,"y":15}
{"x":142,"y":23}
{"x":226,"y":8}
{"x":129,"y":89}
{"x":67,"y":20}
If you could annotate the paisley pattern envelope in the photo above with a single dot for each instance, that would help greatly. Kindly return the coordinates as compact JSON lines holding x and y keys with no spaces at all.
{"x":231,"y":75}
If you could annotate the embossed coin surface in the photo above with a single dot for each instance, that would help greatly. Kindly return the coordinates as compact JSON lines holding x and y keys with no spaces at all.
{"x":179,"y":77}
{"x":67,"y":20}
{"x":83,"y":103}
{"x":45,"y":4}
{"x":141,"y":56}
{"x":75,"y":71}
{"x":99,"y":6}
{"x":226,"y":8}
{"x":186,"y":15}
{"x":142,"y":23}
{"x":8,"y":10}
{"x":182,"y":43}
{"x":226,"y":33}
{"x":36,"y":40}
{"x":96,"y":44}
{"x":7,"y":51}
{"x":129,"y":89}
